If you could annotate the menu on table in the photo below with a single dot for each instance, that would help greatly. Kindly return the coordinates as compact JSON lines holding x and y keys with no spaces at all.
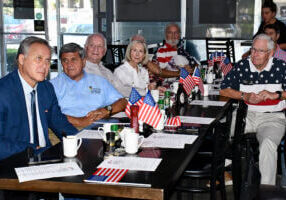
{"x":165,"y":140}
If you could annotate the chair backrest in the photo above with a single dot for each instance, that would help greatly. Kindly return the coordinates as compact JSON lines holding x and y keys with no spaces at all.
{"x":115,"y":54}
{"x":221,"y":141}
{"x":240,"y":120}
{"x":224,"y":45}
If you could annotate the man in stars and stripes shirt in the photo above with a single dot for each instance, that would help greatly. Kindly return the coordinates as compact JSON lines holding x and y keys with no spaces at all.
{"x":261,"y":81}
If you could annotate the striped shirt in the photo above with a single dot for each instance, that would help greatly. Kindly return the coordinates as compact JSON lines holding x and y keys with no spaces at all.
{"x":280,"y":54}
{"x":164,"y":56}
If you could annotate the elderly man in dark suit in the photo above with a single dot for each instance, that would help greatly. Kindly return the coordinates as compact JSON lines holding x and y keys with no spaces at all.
{"x":28,"y":104}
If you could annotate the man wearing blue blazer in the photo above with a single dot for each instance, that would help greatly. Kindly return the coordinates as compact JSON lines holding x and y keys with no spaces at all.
{"x":28,"y":104}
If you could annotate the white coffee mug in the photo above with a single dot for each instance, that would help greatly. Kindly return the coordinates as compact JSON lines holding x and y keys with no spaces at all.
{"x":174,"y":87}
{"x":126,"y":130}
{"x":105,"y":129}
{"x":155,"y":95}
{"x":71,"y":144}
{"x":132,"y":142}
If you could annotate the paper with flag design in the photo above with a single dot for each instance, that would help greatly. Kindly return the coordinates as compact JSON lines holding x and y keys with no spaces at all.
{"x":134,"y":99}
{"x":149,"y":111}
{"x":111,"y":176}
{"x":198,"y":80}
{"x":107,"y":175}
{"x":187,"y":81}
{"x":173,"y":121}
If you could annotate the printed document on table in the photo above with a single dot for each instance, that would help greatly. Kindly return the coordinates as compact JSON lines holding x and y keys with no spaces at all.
{"x":196,"y":120}
{"x":215,"y":86}
{"x":165,"y":140}
{"x":48,"y":171}
{"x":119,"y":115}
{"x":214,"y":92}
{"x":90,"y":134}
{"x":208,"y":103}
{"x":131,"y":163}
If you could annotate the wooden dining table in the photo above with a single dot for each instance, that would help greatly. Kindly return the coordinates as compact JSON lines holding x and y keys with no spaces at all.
{"x":90,"y":155}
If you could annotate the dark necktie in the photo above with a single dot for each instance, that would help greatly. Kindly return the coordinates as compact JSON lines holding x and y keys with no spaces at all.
{"x":34,"y":117}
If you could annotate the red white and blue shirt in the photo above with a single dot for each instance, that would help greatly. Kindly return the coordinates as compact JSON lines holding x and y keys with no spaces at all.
{"x":164,"y":56}
{"x":280,"y":54}
{"x":246,"y":78}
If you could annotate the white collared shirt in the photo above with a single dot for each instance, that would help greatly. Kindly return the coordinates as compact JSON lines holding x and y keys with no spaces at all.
{"x":129,"y":78}
{"x":101,"y":70}
{"x":266,"y":68}
{"x":27,"y":92}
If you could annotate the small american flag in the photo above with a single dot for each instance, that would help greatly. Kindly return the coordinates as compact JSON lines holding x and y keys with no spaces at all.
{"x":149,"y":111}
{"x":187,"y":81}
{"x":216,"y":57}
{"x":173,"y":121}
{"x":107,"y":175}
{"x":134,"y":99}
{"x":198,"y":80}
{"x":225,"y":66}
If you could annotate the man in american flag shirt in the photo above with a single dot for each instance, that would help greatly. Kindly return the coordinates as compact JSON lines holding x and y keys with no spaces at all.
{"x":171,"y":48}
{"x":260,"y":81}
{"x":273,"y":31}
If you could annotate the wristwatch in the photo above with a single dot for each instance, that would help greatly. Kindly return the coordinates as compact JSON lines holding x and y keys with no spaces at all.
{"x":242,"y":96}
{"x":279,"y":94}
{"x":109,"y":109}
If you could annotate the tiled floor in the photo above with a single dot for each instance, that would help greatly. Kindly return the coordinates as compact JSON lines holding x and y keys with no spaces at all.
{"x":205,"y":196}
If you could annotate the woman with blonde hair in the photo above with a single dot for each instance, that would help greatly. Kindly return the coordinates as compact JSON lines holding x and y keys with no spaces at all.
{"x":132,"y":73}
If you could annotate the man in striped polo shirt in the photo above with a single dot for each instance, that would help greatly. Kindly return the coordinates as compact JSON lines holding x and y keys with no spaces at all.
{"x":261,"y":82}
{"x":273,"y":31}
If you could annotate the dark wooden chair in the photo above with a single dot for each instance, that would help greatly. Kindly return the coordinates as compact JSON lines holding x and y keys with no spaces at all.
{"x":224,"y":45}
{"x":209,"y":166}
{"x":114,"y":55}
{"x":245,"y":146}
{"x":246,"y":177}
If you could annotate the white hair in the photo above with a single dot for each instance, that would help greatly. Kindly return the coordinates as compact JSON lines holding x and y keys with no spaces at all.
{"x":262,"y":36}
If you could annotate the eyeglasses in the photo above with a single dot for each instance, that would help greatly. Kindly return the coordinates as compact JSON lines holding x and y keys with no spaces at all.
{"x":259,"y":51}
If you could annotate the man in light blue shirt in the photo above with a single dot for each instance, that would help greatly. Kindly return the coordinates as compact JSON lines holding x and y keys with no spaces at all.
{"x":84,"y":97}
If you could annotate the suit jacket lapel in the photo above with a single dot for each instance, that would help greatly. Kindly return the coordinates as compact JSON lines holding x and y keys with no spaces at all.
{"x":18,"y":89}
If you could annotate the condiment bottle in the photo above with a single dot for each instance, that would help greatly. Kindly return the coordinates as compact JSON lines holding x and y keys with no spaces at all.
{"x":134,"y":118}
